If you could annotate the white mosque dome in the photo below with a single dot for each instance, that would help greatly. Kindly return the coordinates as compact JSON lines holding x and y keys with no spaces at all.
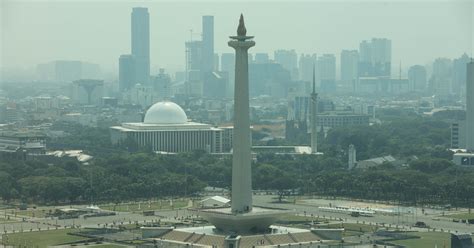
{"x":165,"y":113}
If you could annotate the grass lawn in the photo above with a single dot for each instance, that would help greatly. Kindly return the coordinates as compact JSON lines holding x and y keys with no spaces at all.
{"x":42,"y":239}
{"x":355,"y":227}
{"x":37,"y":213}
{"x":462,"y":216}
{"x":2,"y":221}
{"x":144,"y":206}
{"x":109,"y":246}
{"x":299,"y":218}
{"x":427,"y":240}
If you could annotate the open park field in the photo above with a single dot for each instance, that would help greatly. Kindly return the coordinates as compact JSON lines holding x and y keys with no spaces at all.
{"x":462,"y":216}
{"x":41,"y":239}
{"x":427,"y":240}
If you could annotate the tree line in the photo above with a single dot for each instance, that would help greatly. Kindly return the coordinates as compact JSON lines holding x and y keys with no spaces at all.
{"x":427,"y":176}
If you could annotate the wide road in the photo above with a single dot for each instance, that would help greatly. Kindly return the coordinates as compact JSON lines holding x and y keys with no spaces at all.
{"x":405,"y":219}
{"x":308,"y":206}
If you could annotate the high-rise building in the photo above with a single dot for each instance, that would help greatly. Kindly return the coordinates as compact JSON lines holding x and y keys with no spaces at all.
{"x":67,"y":71}
{"x":441,"y":77}
{"x":141,"y":43}
{"x":417,"y":77}
{"x":194,"y":83}
{"x":375,"y":58}
{"x":269,"y":79}
{"x":193,"y":55}
{"x":207,"y":64}
{"x":314,"y":116}
{"x":228,"y":65}
{"x":288,"y":59}
{"x":215,"y":84}
{"x":216,"y":62}
{"x":457,"y":132}
{"x":349,"y":67}
{"x":306,"y":65}
{"x":458,"y":135}
{"x":327,"y":72}
{"x":126,"y":72}
{"x":161,"y":84}
{"x":87,"y":91}
{"x":142,"y":95}
{"x":470,"y":106}
{"x":459,"y":74}
{"x":261,"y":58}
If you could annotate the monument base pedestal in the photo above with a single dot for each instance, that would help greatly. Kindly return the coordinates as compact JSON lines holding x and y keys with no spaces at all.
{"x":256,"y":221}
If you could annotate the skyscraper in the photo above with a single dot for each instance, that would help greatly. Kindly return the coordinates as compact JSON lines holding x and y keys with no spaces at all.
{"x":417,"y":77}
{"x":141,"y":43}
{"x":470,"y":106}
{"x":161,"y":85}
{"x":306,"y":66}
{"x":375,"y":58}
{"x":228,"y":65}
{"x":207,"y":64}
{"x":194,"y":55}
{"x":441,"y":77}
{"x":382,"y":56}
{"x":459,"y":74}
{"x":126,"y":72}
{"x":261,"y":58}
{"x":288,"y":59}
{"x":327,"y":72}
{"x":349,"y":66}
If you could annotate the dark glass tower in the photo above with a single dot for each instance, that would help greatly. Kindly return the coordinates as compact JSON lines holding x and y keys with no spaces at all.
{"x":207,"y":44}
{"x":141,"y":44}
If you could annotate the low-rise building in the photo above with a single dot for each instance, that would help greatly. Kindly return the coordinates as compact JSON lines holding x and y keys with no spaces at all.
{"x":26,"y":142}
{"x":464,"y":159}
{"x":335,"y":119}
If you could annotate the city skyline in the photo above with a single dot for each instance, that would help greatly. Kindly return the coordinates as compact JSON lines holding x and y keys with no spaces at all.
{"x":412,"y":44}
{"x":318,"y":124}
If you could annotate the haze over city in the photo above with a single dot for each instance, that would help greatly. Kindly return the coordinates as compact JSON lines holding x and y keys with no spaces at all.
{"x":35,"y":32}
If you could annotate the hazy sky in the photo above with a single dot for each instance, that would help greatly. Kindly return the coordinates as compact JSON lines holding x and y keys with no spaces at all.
{"x":40,"y":31}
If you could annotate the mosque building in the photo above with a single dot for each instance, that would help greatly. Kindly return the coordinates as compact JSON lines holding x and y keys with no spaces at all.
{"x":166,"y":128}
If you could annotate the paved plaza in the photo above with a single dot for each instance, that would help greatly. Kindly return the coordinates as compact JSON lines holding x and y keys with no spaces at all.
{"x":432,"y":217}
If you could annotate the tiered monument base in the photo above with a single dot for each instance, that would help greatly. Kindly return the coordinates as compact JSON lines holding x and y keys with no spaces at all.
{"x":255,"y":221}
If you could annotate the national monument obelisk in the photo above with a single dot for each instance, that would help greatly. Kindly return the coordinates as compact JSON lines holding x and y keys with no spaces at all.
{"x":241,"y":161}
{"x":241,"y":217}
